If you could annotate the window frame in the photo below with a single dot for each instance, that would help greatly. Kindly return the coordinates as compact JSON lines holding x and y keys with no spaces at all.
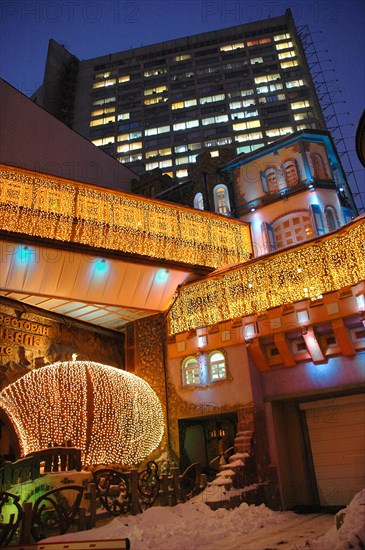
{"x":222,"y":205}
{"x":281,"y":231}
{"x":290,"y":168}
{"x":217,"y":364}
{"x":185,"y":369}
{"x":331,"y":216}
{"x":199,"y":201}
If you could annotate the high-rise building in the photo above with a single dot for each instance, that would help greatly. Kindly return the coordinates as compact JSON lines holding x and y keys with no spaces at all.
{"x":159,"y":106}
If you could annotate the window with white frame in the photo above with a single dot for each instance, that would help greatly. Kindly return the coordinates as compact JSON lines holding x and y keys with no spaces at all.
{"x":221,"y":199}
{"x":319,"y":166}
{"x":291,"y":173}
{"x":272,"y":180}
{"x":190,"y":371}
{"x":217,"y":366}
{"x":292,"y":229}
{"x":199,"y":201}
{"x":331,"y":218}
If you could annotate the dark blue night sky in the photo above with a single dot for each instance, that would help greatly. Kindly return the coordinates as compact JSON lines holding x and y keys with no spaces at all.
{"x":97,"y":27}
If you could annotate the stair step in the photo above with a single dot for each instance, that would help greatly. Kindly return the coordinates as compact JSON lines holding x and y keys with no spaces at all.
{"x":243,"y":438}
{"x":234,"y":464}
{"x":226,"y":481}
{"x":226,"y":472}
{"x":237,"y":456}
{"x":251,"y":494}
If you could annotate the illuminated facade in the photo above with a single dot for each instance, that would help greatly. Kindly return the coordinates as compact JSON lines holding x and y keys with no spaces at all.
{"x":268,"y":356}
{"x":261,"y":351}
{"x":291,"y":191}
{"x":159,"y":106}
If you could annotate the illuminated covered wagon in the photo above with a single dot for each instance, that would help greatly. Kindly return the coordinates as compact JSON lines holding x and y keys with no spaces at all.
{"x":113,"y":416}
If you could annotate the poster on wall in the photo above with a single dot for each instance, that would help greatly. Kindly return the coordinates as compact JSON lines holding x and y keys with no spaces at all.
{"x":30,"y":341}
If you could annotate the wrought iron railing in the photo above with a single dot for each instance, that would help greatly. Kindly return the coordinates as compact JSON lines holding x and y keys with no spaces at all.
{"x":118,"y":492}
{"x":52,"y":459}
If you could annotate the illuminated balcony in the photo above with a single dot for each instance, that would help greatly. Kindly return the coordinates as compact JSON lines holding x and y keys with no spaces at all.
{"x":306,"y":272}
{"x":55,"y":209}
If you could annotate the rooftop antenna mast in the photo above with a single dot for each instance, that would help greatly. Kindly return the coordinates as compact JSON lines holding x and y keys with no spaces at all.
{"x":326,"y":90}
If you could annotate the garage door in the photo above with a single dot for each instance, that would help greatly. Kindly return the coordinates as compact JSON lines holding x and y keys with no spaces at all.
{"x":336,"y":430}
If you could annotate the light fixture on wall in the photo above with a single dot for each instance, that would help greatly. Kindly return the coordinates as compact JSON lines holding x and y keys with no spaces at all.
{"x":216,"y":431}
{"x":302,"y":316}
{"x":360,"y":300}
{"x":202,"y":340}
{"x":250,"y":331}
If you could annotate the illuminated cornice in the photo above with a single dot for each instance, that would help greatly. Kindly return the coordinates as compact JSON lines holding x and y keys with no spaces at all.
{"x":64,"y":210}
{"x":308,"y":271}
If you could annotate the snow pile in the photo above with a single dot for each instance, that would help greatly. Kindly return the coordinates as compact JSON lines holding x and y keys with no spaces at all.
{"x":351,"y":531}
{"x":191,"y":525}
{"x":194,"y":526}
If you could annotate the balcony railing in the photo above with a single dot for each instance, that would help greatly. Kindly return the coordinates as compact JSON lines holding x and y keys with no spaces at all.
{"x":284,"y":193}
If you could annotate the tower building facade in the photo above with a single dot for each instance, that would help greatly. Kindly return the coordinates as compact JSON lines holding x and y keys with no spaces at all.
{"x":159,"y":106}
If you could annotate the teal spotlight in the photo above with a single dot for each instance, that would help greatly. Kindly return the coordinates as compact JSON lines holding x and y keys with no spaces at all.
{"x":101,"y":266}
{"x":24,"y":254}
{"x":162,"y":275}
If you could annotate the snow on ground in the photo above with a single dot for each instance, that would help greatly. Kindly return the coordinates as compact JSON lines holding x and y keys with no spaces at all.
{"x":194,"y":526}
{"x":351,"y":533}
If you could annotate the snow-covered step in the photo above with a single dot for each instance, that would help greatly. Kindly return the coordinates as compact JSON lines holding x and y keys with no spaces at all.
{"x":226,"y":473}
{"x":234,"y":464}
{"x":238,"y":456}
{"x":226,"y":481}
{"x":220,"y":497}
{"x":243,"y":441}
{"x":242,"y":447}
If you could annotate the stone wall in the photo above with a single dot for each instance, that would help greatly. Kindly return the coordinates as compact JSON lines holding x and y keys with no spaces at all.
{"x":149,"y":362}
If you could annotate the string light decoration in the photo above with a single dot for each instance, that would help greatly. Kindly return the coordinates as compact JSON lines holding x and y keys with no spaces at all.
{"x":308,"y":271}
{"x":35,"y":204}
{"x":112,"y":415}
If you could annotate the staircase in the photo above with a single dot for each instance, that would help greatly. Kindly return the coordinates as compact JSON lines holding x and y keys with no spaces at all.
{"x":236,"y":480}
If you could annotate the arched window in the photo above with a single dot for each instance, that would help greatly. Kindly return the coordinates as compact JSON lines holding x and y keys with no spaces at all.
{"x":199,"y":201}
{"x":319,"y":166}
{"x":291,"y":173}
{"x":331,"y":218}
{"x":272,"y":180}
{"x":293,"y":228}
{"x":221,"y":199}
{"x":190,"y":371}
{"x":217,"y":366}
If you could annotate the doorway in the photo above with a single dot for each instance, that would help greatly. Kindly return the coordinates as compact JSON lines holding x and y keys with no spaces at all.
{"x":201,"y":438}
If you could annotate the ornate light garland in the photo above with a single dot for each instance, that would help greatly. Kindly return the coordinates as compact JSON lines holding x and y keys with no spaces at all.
{"x":35,"y":205}
{"x":308,"y":271}
{"x":112,"y":415}
{"x":45,"y":206}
